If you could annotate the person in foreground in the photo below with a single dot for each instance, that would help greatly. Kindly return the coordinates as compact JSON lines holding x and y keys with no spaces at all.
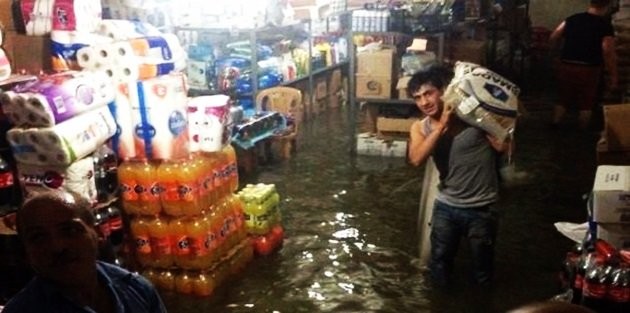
{"x":61,"y":244}
{"x":466,"y":159}
{"x":589,"y":47}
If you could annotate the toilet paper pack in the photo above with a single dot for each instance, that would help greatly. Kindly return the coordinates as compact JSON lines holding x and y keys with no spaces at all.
{"x":56,"y":98}
{"x":64,"y":143}
{"x":66,"y":44}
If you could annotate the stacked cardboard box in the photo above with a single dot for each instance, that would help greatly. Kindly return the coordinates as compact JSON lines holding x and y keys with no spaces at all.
{"x":614,"y":145}
{"x":370,"y":144}
{"x":374,"y":74}
{"x":611,"y":205}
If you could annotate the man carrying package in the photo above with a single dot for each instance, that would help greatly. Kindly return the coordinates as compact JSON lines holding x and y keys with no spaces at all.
{"x":465,"y":139}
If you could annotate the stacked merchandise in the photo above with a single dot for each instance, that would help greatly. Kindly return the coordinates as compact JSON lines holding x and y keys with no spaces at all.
{"x":58,"y":122}
{"x":263,"y":221}
{"x":621,"y":22}
{"x":598,"y":272}
{"x":177,"y":194}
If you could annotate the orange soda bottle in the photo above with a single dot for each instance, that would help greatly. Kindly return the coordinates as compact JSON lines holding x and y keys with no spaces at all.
{"x":197,"y":230}
{"x":169,"y":197}
{"x":184,"y":283}
{"x":148,"y":188}
{"x":188,"y":188}
{"x":181,"y":243}
{"x":204,"y":284}
{"x":211,"y":241}
{"x":216,"y":228}
{"x":237,"y":205}
{"x":160,"y":238}
{"x":200,"y":164}
{"x":127,"y":182}
{"x":230,"y":154}
{"x":166,"y":280}
{"x":219,"y":176}
{"x":140,"y":232}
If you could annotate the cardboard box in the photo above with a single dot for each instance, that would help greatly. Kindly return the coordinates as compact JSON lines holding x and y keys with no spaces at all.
{"x":369,"y":144}
{"x":617,"y":127}
{"x":401,"y":87}
{"x":28,"y":53}
{"x":611,"y":194}
{"x":618,"y":235}
{"x":394,"y":148}
{"x":377,"y":87}
{"x":400,"y":125}
{"x":468,"y":50}
{"x":607,"y":157}
{"x":376,"y":63}
{"x":6,"y":15}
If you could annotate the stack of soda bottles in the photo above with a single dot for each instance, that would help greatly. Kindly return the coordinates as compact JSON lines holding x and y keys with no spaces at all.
{"x":262,"y":217}
{"x":599,"y":277}
{"x":185,"y":221}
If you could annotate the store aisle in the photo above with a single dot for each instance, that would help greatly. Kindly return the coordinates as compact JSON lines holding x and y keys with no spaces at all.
{"x":351,"y":228}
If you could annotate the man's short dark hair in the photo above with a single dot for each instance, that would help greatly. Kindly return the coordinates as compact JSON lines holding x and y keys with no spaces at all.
{"x":72,"y":200}
{"x":600,"y":3}
{"x":437,"y":75}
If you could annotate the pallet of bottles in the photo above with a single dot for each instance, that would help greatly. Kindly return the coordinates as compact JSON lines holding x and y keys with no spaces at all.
{"x":202,"y":282}
{"x":263,"y":219}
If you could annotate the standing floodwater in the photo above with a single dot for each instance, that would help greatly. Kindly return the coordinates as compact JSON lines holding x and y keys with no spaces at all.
{"x":351,"y":230}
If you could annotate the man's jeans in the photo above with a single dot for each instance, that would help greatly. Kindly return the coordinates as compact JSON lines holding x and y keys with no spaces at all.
{"x":448,"y":225}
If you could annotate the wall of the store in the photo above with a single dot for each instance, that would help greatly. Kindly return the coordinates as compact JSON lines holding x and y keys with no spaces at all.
{"x":549,"y":14}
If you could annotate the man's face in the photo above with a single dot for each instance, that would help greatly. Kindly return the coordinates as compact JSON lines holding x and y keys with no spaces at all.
{"x":428,"y":100}
{"x":60,"y":246}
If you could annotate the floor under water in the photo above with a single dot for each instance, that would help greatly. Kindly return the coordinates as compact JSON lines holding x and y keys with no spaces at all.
{"x":351,"y":228}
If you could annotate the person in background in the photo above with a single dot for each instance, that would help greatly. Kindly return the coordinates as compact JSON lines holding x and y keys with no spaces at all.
{"x":551,"y":307}
{"x":466,"y":159}
{"x":589,"y":46}
{"x":61,"y":244}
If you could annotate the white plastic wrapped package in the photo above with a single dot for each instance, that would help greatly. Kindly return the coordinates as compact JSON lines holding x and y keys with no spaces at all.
{"x":77,"y":177}
{"x":484,"y":99}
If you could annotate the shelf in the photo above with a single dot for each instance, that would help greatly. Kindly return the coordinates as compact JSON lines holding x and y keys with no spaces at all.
{"x":329,"y":68}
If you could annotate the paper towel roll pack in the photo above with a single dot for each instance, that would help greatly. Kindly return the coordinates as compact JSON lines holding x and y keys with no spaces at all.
{"x":158,"y":123}
{"x":64,"y":143}
{"x":207,"y":119}
{"x":134,"y":59}
{"x":77,"y":177}
{"x":484,"y":99}
{"x":56,"y":98}
{"x":66,"y":44}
